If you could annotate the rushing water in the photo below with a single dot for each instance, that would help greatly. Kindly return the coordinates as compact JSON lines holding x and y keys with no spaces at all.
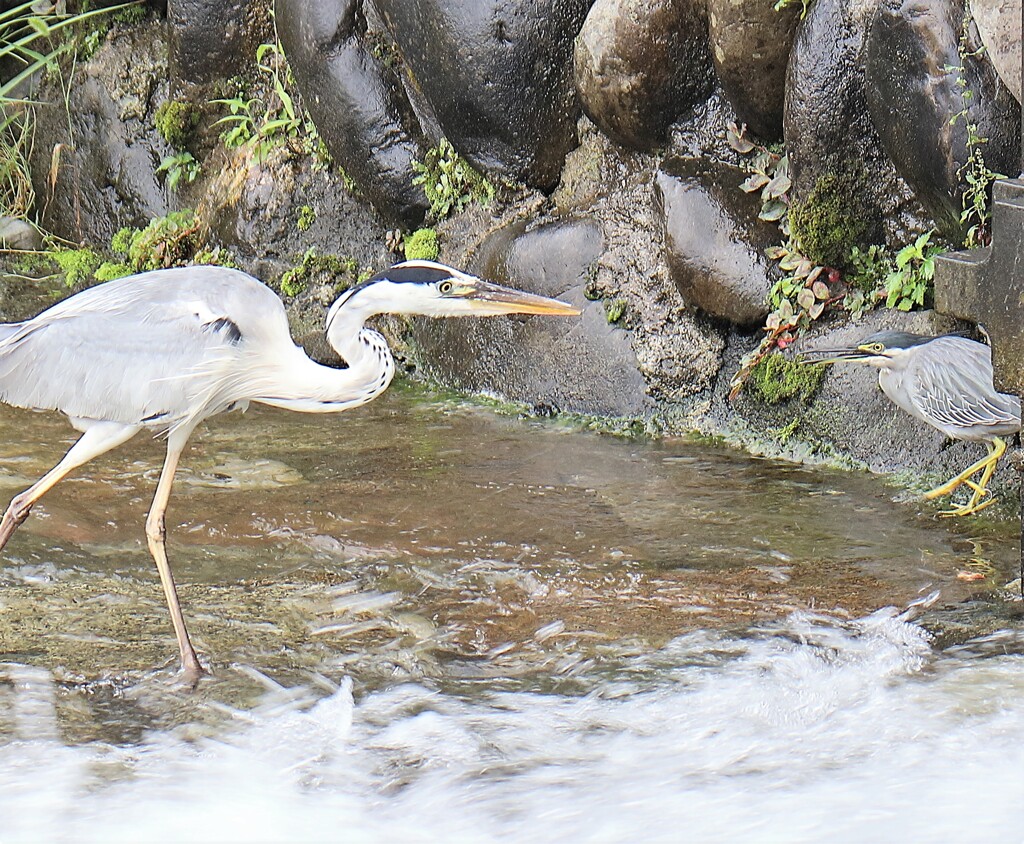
{"x":430,"y":623}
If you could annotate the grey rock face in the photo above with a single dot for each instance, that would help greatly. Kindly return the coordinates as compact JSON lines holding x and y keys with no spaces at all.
{"x":999,"y":24}
{"x":498,"y":76}
{"x":357,"y":103}
{"x":576,"y":364}
{"x":751,"y":43}
{"x":639,"y":64}
{"x":714,"y":243}
{"x":106,"y":177}
{"x":827,"y":124}
{"x":212,"y":39}
{"x":18,"y":234}
{"x":911,"y":98}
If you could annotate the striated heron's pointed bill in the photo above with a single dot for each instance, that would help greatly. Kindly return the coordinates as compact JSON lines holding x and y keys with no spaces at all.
{"x":845,"y":355}
{"x":486,"y":298}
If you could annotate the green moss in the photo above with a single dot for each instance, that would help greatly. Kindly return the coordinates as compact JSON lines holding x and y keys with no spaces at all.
{"x":307,"y":216}
{"x":449,"y":181}
{"x":176,"y":120}
{"x":777,"y":378}
{"x":132,"y":15}
{"x":109,"y":270}
{"x":169,"y":241}
{"x":615,"y":310}
{"x":334,"y":269}
{"x":422,"y":245}
{"x":77,"y":265}
{"x":832,"y":220}
{"x":121,"y":242}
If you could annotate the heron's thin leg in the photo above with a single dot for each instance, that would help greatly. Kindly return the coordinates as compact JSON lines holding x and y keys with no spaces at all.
{"x":97,"y":439}
{"x":995,"y":452}
{"x":156,"y":534}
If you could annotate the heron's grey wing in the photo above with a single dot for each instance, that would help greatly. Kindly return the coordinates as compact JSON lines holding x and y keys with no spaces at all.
{"x":130,"y":365}
{"x":952,"y":380}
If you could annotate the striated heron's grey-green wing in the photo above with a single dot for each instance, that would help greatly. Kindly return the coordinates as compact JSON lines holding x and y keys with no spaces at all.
{"x":949,"y":381}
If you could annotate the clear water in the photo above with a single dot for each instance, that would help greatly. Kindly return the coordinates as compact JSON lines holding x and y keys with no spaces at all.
{"x":429,"y":623}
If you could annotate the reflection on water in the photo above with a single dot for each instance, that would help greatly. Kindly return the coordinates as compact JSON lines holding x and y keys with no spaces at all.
{"x":430,"y":623}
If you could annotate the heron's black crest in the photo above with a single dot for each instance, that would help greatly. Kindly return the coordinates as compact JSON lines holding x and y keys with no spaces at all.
{"x":413,"y":272}
{"x":896,"y":339}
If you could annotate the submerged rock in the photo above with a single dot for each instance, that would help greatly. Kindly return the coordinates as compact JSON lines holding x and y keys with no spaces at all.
{"x":641,"y":63}
{"x":357,"y":103}
{"x":751,"y":41}
{"x":912,"y":95}
{"x":714,"y":242}
{"x":497,"y":75}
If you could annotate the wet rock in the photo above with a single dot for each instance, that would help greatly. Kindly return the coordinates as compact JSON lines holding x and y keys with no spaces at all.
{"x":498,"y":76}
{"x":356,"y":101}
{"x":999,"y":25}
{"x":576,"y":364}
{"x":828,"y":128}
{"x":714,"y":242}
{"x":751,"y":41}
{"x":105,"y":178}
{"x":214,"y":39}
{"x":18,"y":234}
{"x":639,"y":64}
{"x":911,"y":97}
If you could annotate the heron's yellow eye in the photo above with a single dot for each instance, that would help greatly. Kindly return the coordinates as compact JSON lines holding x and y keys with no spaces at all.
{"x":876,"y":348}
{"x":445,"y":287}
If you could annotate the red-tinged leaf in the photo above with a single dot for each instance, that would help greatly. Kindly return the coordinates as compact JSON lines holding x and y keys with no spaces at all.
{"x":815,"y":273}
{"x":805,"y":298}
{"x":776,"y":253}
{"x":821,"y":290}
{"x":803,"y":269}
{"x":833,"y":276}
{"x":790,"y":262}
{"x":816,"y":310}
{"x":777,"y":186}
{"x":773,"y":322}
{"x":753,"y":182}
{"x":970,"y":575}
{"x":784,"y":341}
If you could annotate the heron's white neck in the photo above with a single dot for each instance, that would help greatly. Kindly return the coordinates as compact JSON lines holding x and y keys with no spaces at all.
{"x":315,"y":388}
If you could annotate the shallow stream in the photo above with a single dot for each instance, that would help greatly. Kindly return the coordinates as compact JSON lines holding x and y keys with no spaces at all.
{"x":428,"y":622}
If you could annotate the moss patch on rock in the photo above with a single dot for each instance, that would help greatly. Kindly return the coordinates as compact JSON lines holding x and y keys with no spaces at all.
{"x":176,"y":120}
{"x":422,"y":245}
{"x":777,"y":378}
{"x":831,"y":220}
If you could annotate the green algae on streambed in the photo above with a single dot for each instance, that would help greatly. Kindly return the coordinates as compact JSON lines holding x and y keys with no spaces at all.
{"x":419,"y":539}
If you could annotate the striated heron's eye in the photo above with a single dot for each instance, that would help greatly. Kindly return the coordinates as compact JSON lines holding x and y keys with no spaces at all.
{"x":445,"y":287}
{"x":877,"y":348}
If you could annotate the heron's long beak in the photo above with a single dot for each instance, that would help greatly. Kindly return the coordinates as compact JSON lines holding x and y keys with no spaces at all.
{"x":837,"y":355}
{"x":495,"y":299}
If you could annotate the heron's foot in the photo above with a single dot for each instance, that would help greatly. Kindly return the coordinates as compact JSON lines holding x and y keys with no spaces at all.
{"x":191,"y":674}
{"x":12,"y":520}
{"x":963,"y":479}
{"x":968,"y":509}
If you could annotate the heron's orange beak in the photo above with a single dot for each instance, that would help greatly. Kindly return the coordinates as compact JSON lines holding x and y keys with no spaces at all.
{"x":495,"y":299}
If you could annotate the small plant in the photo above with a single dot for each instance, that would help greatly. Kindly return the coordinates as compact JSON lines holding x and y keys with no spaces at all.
{"x":421,"y":245}
{"x":175,"y":121}
{"x":777,"y":378}
{"x":181,"y":165}
{"x":910,"y":280}
{"x":805,"y":5}
{"x":614,"y":310}
{"x":77,"y":265}
{"x":307,"y":216}
{"x":341,"y":272}
{"x":449,"y":181}
{"x":240,"y":126}
{"x":169,"y":241}
{"x":976,"y":213}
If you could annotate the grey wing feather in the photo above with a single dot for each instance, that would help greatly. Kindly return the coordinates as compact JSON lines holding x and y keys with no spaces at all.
{"x":155,"y":348}
{"x":953,"y":387}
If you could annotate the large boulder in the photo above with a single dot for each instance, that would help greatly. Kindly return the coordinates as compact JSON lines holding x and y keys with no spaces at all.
{"x":641,"y":63}
{"x":912,"y":97}
{"x":357,"y":102}
{"x":497,"y":75}
{"x":577,"y":364}
{"x":831,"y":140}
{"x":714,"y":241}
{"x":751,"y":41}
{"x":214,"y":39}
{"x":999,"y":25}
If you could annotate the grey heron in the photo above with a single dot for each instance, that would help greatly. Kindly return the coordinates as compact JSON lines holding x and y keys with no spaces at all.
{"x":163,"y":350}
{"x":945,"y":381}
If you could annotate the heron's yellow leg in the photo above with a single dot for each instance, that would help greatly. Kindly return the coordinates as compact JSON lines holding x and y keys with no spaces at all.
{"x":987,"y":463}
{"x":156,"y":534}
{"x":976,"y":504}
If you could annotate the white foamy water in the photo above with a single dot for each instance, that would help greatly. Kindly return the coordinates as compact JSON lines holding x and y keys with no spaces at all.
{"x":814,"y":731}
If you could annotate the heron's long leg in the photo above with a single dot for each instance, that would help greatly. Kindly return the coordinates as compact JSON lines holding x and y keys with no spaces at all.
{"x":100,"y":437}
{"x":987,"y":463}
{"x":156,"y":534}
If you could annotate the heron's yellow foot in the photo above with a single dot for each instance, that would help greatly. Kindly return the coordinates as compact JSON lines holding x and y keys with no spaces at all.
{"x":967,"y":509}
